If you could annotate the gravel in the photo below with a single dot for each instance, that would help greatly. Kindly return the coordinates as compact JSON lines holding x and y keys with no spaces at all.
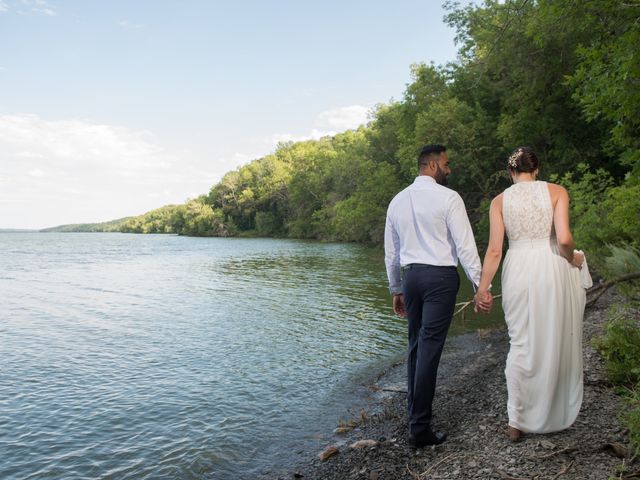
{"x":470,"y":405}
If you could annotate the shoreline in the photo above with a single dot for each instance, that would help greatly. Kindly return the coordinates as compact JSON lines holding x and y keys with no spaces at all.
{"x":470,"y":405}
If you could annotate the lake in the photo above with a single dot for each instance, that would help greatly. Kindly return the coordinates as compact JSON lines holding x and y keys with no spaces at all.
{"x":161,"y":357}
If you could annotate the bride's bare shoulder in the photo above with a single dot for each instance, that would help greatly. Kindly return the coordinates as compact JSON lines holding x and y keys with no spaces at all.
{"x":557,"y":190}
{"x":497,"y":201}
{"x":558,"y":193}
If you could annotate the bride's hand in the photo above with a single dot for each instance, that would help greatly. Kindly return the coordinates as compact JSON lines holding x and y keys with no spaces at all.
{"x":483,"y":301}
{"x":578,"y":259}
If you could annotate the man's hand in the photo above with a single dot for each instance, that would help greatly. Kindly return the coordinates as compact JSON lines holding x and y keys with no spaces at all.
{"x":398,"y":305}
{"x":483,"y":301}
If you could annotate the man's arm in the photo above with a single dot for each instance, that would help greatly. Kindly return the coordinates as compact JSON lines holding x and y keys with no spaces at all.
{"x":392,"y":255}
{"x":462,"y":235}
{"x":392,"y":262}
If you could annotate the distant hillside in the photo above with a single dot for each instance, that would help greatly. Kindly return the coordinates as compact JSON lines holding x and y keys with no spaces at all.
{"x":16,"y":230}
{"x":110,"y":226}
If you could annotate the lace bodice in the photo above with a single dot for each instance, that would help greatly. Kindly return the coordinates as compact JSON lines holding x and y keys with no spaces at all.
{"x":527,"y":211}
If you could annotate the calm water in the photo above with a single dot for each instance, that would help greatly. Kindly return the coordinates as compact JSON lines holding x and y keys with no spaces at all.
{"x":134,"y":357}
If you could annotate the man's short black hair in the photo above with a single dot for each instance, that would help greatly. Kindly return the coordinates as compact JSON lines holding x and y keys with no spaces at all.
{"x":427,"y":151}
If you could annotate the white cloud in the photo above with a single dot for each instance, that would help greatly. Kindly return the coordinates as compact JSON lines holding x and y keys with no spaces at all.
{"x":235,"y":160}
{"x":29,"y":155}
{"x":73,"y":171}
{"x":329,"y":122}
{"x":240,"y":158}
{"x":3,"y":7}
{"x":68,"y":142}
{"x":39,"y":7}
{"x":130,"y":24}
{"x":315,"y":134}
{"x":345,"y":118}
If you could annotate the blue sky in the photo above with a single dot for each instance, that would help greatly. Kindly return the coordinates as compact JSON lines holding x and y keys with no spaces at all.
{"x":112,"y":108}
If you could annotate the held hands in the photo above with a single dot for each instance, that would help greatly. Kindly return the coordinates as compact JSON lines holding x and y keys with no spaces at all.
{"x":398,"y":305}
{"x":483,"y":301}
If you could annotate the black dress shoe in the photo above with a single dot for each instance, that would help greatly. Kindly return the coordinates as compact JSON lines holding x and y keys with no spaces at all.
{"x":429,"y":438}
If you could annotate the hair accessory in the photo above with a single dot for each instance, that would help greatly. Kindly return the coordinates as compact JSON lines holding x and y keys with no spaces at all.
{"x":515,"y":156}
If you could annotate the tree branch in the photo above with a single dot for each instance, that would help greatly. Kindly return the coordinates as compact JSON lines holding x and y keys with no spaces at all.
{"x":603,"y":287}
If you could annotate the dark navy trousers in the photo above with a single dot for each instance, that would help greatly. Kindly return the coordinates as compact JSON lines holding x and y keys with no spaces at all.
{"x":429,"y":297}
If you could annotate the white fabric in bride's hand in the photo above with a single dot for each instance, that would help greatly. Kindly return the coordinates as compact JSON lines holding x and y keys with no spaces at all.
{"x":585,"y":276}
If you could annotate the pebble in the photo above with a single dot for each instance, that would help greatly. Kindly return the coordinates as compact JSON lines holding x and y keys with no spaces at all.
{"x":328,"y":453}
{"x":364,"y":444}
{"x":547,"y":444}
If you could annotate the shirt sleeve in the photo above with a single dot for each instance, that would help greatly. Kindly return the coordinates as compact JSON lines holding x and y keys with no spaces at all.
{"x":460,"y":228}
{"x":392,"y":255}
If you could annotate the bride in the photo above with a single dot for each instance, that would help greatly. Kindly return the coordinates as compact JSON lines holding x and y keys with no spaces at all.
{"x":542,"y":297}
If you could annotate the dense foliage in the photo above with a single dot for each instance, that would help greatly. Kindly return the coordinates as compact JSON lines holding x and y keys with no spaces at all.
{"x":562,"y":76}
{"x":620,"y":347}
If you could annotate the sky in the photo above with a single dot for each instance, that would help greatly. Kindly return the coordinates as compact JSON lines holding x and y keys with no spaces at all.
{"x":113,"y":108}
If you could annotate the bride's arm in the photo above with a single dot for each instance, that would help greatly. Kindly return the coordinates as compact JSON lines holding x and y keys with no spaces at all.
{"x":561,"y":223}
{"x":494,"y":250}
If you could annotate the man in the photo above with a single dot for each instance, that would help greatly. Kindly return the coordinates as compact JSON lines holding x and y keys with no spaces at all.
{"x":427,"y":231}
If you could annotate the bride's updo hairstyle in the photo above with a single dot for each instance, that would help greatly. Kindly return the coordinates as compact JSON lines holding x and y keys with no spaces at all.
{"x":523,"y":160}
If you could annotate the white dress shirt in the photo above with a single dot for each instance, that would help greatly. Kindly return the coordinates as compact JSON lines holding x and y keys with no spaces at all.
{"x":428,"y":223}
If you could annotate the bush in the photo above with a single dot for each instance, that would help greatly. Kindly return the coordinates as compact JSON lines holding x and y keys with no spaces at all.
{"x":632,"y":419}
{"x":620,"y":347}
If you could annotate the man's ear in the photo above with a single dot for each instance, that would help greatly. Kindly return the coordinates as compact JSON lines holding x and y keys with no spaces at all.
{"x":432,"y":159}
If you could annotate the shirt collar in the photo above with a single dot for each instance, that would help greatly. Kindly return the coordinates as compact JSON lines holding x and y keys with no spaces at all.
{"x":423,"y":179}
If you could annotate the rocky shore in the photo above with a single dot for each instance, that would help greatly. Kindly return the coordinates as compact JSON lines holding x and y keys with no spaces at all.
{"x":470,"y":406}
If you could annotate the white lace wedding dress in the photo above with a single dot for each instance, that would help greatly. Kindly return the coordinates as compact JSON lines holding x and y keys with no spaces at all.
{"x":543,"y":301}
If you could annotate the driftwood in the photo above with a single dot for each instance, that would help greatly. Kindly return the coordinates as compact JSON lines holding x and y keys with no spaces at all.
{"x":603,"y":287}
{"x":328,"y":452}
